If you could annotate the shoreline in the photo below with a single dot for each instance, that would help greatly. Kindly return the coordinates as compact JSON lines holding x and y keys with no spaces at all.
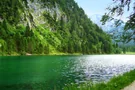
{"x":119,"y":82}
{"x":30,"y":54}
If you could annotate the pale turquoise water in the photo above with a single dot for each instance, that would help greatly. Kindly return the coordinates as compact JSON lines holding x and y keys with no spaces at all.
{"x":48,"y":72}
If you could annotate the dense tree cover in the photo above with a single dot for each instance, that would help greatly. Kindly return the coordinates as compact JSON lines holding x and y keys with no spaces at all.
{"x":117,"y":9}
{"x":72,"y":33}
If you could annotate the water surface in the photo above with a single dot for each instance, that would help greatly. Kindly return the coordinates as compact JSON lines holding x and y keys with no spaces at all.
{"x":49,"y":72}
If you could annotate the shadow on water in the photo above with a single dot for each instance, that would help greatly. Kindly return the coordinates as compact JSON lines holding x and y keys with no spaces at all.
{"x":37,"y":72}
{"x":52,"y":84}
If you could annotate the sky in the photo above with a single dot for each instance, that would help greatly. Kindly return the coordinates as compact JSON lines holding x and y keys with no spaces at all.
{"x":92,"y":7}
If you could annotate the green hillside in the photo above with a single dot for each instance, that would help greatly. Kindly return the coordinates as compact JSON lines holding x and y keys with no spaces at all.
{"x":49,"y":26}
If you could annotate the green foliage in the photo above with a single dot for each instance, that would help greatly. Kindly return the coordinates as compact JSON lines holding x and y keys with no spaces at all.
{"x":70,"y":32}
{"x":118,"y":49}
{"x":119,"y":8}
{"x":10,"y":10}
{"x":3,"y":45}
{"x":128,"y":49}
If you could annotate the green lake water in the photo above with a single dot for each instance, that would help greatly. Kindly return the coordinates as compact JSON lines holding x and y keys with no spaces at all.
{"x":49,"y":72}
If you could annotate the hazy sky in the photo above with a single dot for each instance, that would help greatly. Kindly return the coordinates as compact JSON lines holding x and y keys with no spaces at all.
{"x":92,"y":7}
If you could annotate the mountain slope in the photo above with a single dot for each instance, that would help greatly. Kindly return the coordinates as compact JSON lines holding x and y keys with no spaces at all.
{"x":49,"y":26}
{"x":110,"y":28}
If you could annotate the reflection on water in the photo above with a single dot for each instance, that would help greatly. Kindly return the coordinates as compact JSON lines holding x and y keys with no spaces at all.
{"x":103,"y":67}
{"x":47,"y":72}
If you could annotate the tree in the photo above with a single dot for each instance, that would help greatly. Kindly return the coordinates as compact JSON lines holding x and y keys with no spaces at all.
{"x":118,"y":8}
{"x":66,"y":28}
{"x":3,"y":45}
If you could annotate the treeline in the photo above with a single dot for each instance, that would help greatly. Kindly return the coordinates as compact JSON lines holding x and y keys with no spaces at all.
{"x":74,"y":32}
{"x":129,"y":48}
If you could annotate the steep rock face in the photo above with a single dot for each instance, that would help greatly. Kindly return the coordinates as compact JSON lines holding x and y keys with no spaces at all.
{"x":34,"y":13}
{"x":49,"y":26}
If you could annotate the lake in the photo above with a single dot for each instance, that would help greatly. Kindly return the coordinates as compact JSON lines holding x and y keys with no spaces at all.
{"x":49,"y":72}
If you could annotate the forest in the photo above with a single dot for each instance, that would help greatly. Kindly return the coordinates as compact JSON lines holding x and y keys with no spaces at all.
{"x":65,"y":28}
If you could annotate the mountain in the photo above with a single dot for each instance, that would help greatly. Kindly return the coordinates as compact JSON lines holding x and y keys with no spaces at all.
{"x":116,"y":32}
{"x":110,"y":26}
{"x":49,"y":26}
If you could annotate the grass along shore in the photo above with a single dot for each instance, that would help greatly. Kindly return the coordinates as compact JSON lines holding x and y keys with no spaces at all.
{"x":116,"y":83}
{"x":130,"y":53}
{"x":33,"y":54}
